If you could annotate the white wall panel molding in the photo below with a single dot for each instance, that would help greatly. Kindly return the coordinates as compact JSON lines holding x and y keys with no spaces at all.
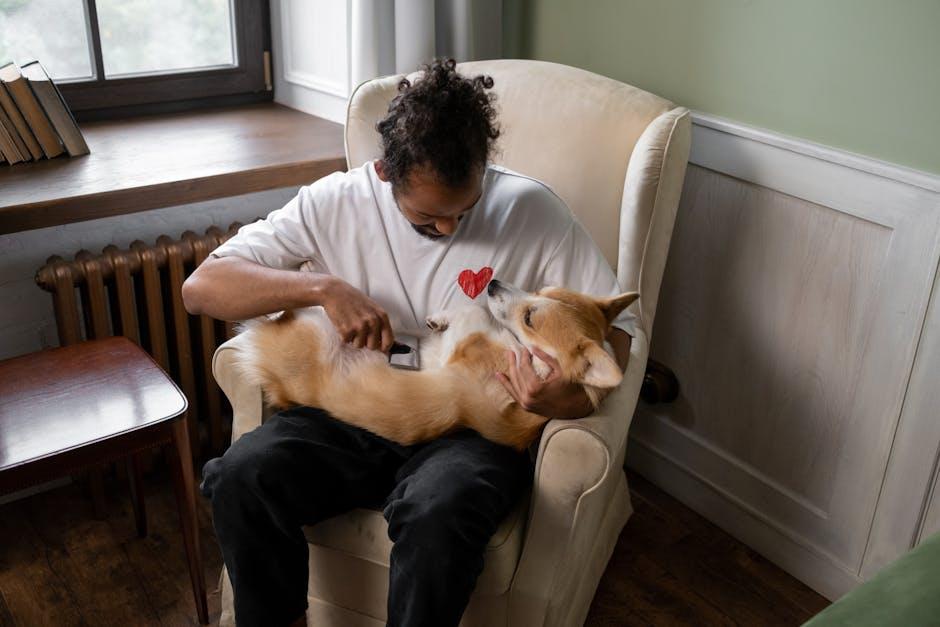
{"x":820,"y":152}
{"x":909,"y":508}
{"x":316,"y":45}
{"x":792,"y":309}
{"x":312,"y":55}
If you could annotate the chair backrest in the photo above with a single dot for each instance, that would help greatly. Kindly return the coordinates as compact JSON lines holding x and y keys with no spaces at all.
{"x":572,"y":129}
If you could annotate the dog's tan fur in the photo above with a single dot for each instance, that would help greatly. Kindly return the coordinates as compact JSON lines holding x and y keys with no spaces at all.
{"x":299,"y":359}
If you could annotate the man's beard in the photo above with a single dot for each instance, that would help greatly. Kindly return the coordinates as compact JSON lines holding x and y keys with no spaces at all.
{"x":426,"y":231}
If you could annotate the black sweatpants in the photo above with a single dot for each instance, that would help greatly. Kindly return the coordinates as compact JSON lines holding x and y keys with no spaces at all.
{"x":442,"y":500}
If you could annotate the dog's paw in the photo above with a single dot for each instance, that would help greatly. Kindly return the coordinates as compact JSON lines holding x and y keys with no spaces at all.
{"x":437,"y":323}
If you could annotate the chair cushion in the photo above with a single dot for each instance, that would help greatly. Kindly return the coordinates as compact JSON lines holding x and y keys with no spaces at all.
{"x":363,"y":534}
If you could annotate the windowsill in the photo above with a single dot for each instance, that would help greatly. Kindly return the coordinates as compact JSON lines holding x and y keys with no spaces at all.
{"x":164,"y":160}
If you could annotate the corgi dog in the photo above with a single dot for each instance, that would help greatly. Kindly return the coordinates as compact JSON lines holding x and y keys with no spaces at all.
{"x":300,"y":359}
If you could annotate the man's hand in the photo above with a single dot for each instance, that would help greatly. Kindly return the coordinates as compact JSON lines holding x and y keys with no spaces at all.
{"x":358,"y":319}
{"x":553,"y":396}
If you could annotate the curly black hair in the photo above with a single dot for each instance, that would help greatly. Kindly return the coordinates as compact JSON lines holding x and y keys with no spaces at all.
{"x":444,"y":121}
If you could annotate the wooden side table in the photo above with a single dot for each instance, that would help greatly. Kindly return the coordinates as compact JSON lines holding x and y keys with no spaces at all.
{"x":65,"y":409}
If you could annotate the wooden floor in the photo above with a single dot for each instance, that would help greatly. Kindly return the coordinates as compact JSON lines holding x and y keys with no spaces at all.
{"x":61,"y":566}
{"x":673,"y":567}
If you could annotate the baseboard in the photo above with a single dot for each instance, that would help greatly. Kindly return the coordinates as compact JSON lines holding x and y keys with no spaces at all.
{"x":795,"y":556}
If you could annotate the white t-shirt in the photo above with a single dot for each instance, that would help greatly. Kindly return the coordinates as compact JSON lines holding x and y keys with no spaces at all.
{"x":349,"y":225}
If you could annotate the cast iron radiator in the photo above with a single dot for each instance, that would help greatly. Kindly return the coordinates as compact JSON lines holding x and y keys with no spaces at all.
{"x":137,"y":293}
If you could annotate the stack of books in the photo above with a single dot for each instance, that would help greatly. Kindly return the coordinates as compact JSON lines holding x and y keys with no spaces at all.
{"x":35,"y":122}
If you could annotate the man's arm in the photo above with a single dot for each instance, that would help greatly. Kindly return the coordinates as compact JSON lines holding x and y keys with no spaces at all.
{"x":554,"y":397}
{"x":234,"y":288}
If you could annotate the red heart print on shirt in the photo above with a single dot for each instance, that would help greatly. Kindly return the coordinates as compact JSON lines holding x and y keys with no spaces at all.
{"x":472,"y":283}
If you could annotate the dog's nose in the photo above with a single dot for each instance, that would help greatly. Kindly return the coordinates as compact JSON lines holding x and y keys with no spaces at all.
{"x":494,"y":287}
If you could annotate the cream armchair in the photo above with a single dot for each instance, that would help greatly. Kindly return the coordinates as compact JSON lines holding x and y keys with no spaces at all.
{"x":617,"y":155}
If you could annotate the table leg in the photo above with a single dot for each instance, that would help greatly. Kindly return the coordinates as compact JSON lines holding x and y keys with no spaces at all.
{"x":134,"y":472}
{"x":184,"y":484}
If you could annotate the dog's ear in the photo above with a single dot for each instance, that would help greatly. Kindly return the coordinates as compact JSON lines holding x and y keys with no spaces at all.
{"x":437,"y":324}
{"x":600,"y":369}
{"x":611,"y":307}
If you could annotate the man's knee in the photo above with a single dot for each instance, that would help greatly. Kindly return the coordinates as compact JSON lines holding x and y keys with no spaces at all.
{"x":234,"y":475}
{"x":293,"y":467}
{"x":253,"y":464}
{"x":459,"y":511}
{"x":439,"y":522}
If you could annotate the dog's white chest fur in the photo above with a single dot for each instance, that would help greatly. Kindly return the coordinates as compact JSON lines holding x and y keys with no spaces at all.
{"x":455,"y":325}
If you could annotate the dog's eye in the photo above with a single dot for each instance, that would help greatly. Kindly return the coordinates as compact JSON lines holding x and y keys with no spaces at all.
{"x":528,"y":317}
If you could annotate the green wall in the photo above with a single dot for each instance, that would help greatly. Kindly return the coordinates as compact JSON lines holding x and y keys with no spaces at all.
{"x":861,"y":75}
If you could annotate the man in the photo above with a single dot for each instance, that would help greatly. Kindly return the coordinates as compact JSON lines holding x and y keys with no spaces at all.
{"x":418,"y":231}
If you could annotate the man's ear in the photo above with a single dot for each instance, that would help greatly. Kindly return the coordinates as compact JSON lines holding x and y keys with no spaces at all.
{"x":379,"y":165}
{"x":611,"y":307}
{"x":601,"y":370}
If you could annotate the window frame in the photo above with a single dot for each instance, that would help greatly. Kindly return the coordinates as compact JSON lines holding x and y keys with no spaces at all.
{"x":248,"y":81}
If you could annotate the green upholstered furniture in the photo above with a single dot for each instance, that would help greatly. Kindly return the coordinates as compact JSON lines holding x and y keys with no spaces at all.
{"x":906,"y":592}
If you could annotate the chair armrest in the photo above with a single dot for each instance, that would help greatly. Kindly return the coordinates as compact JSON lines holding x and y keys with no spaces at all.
{"x":653,"y":185}
{"x":579,"y":465}
{"x":246,"y":399}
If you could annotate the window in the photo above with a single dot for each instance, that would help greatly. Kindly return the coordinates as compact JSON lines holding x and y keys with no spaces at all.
{"x":111,"y":56}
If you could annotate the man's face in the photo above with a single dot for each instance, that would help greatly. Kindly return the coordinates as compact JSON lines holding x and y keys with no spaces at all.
{"x":432,"y":208}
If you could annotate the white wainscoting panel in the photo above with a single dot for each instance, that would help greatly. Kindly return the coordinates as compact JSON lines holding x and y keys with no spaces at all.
{"x":931,"y":523}
{"x":909,"y":508}
{"x":315,"y":45}
{"x":791,"y":310}
{"x":311,"y":56}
